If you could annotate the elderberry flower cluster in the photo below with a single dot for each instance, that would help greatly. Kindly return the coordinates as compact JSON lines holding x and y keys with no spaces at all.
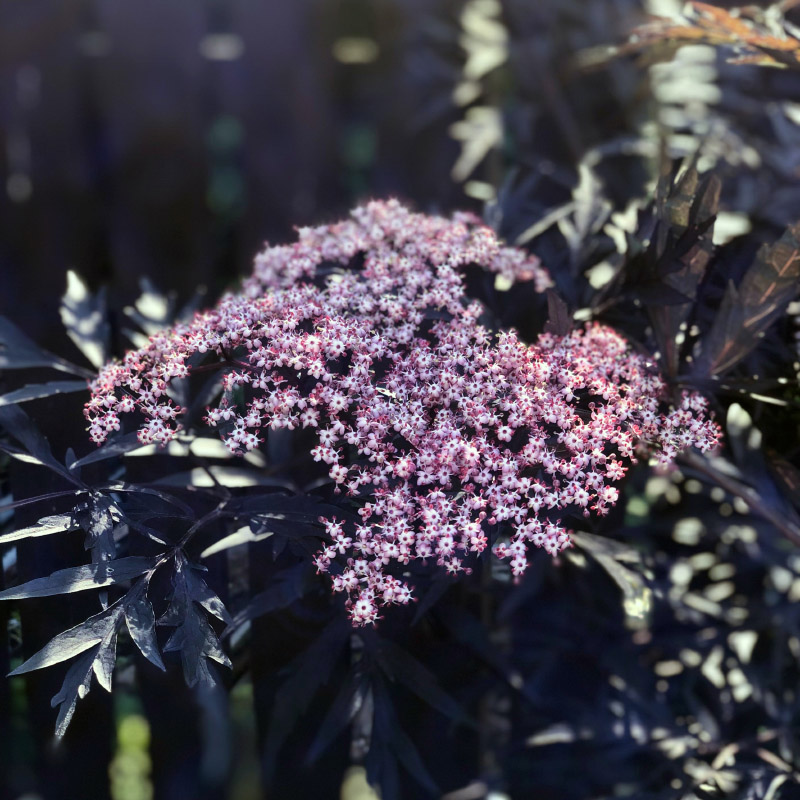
{"x":443,"y":432}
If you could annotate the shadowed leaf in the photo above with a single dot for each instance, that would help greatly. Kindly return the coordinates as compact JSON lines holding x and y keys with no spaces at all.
{"x":399,"y":665}
{"x":141,"y":622}
{"x":77,"y":683}
{"x":307,"y":672}
{"x":387,"y":727}
{"x":287,"y":586}
{"x":35,"y":391}
{"x":22,"y":428}
{"x":559,"y":320}
{"x":344,"y":708}
{"x":17,"y":351}
{"x":116,"y":447}
{"x":746,"y":311}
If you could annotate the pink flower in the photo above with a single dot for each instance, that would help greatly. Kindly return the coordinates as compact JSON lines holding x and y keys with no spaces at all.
{"x":447,"y":427}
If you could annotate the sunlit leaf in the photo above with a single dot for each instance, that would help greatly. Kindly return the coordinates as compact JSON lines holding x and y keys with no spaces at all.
{"x":58,"y":523}
{"x":79,"y":579}
{"x":85,"y":318}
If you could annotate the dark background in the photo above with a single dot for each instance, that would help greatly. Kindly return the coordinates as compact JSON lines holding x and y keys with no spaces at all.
{"x":170,"y":140}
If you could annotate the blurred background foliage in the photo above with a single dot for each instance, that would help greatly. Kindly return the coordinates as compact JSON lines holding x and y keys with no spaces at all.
{"x":168,"y":140}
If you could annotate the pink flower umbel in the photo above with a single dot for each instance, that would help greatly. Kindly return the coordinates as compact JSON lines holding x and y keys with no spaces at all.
{"x":442,"y":431}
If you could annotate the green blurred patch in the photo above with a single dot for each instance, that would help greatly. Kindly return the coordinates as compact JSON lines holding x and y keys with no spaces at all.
{"x":129,"y":770}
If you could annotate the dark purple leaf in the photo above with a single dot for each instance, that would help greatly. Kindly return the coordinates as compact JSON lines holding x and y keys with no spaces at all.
{"x":77,"y":683}
{"x":348,"y":702}
{"x":139,"y":490}
{"x":659,"y":294}
{"x":437,"y":590}
{"x":193,"y":637}
{"x":196,"y":641}
{"x":141,"y":621}
{"x":307,"y":672}
{"x":399,"y":665}
{"x":684,"y":245}
{"x":22,"y":428}
{"x":35,"y":391}
{"x":78,"y":579}
{"x":200,"y":593}
{"x":116,"y":447}
{"x":74,"y":641}
{"x":284,"y":506}
{"x":59,"y":523}
{"x":106,"y":660}
{"x":746,"y":311}
{"x":99,"y":516}
{"x":287,"y":586}
{"x":387,"y":727}
{"x":559,"y":320}
{"x":85,"y":317}
{"x":17,"y":351}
